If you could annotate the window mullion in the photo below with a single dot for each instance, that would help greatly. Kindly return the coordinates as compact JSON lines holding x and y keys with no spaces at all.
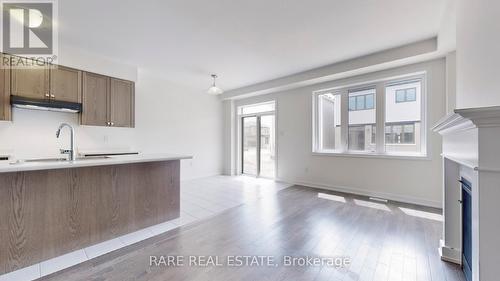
{"x":380,"y":117}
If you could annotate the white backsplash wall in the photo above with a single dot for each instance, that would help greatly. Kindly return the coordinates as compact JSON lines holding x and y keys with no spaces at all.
{"x":32,"y":134}
{"x":169,"y":119}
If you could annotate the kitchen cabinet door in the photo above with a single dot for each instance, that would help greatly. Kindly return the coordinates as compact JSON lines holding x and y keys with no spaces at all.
{"x":95,"y":100}
{"x":122,"y":101}
{"x":5,"y":109}
{"x":30,"y":82}
{"x":65,"y":84}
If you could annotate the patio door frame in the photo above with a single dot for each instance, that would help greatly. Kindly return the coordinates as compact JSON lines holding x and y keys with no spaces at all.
{"x":259,"y":136}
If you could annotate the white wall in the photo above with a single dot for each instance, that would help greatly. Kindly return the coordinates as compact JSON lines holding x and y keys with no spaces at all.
{"x":169,"y":118}
{"x":177,"y":119}
{"x":478,"y":59}
{"x":72,"y":56}
{"x":395,"y":178}
{"x":451,"y":81}
{"x":478,"y":85}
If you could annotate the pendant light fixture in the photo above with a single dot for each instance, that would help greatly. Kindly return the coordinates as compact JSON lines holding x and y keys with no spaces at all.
{"x":214,"y":90}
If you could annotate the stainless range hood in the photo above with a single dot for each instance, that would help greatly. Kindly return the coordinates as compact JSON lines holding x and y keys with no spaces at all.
{"x":48,"y":105}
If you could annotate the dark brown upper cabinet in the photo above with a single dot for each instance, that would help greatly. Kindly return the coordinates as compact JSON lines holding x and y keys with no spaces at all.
{"x":122,"y":101}
{"x":65,"y":84}
{"x":95,"y":100}
{"x":47,"y":82}
{"x":5,"y":109}
{"x":32,"y":82}
{"x":107,"y":101}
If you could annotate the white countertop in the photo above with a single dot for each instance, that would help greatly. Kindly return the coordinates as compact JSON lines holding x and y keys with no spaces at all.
{"x":8,"y":166}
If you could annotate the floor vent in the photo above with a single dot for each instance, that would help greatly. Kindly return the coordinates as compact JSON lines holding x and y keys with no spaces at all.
{"x":379,"y":199}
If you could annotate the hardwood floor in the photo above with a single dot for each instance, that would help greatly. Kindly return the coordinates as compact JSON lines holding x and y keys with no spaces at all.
{"x":383,"y":242}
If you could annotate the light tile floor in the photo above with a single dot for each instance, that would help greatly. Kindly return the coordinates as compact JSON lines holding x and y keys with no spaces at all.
{"x":200,"y":199}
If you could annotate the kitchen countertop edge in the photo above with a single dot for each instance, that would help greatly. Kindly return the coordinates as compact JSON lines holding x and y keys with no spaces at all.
{"x":7,"y":167}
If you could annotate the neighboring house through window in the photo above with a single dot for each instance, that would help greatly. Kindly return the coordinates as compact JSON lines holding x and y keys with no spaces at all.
{"x":401,"y":125}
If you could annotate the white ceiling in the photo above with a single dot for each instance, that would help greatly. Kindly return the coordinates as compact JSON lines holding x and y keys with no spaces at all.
{"x":243,"y":41}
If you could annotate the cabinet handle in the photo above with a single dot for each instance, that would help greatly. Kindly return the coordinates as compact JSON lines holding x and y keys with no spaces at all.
{"x":108,"y":123}
{"x":112,"y":123}
{"x":47,"y":95}
{"x":52,"y":96}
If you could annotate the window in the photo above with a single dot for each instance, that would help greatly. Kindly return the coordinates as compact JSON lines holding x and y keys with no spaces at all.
{"x":329,"y":121}
{"x":401,"y":125}
{"x":361,"y":102}
{"x":369,"y":102}
{"x":403,"y":117}
{"x":361,"y":121}
{"x":406,"y":95}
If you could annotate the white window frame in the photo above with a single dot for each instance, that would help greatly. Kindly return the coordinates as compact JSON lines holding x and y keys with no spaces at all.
{"x":380,"y":107}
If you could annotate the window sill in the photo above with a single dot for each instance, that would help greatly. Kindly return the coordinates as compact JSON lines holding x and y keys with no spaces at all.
{"x":373,"y":155}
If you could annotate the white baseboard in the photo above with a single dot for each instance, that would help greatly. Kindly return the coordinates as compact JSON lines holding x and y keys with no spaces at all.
{"x":365,"y":192}
{"x":449,"y":254}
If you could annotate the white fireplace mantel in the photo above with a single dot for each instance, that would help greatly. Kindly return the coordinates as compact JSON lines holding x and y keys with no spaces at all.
{"x":471,"y":149}
{"x":468,"y":118}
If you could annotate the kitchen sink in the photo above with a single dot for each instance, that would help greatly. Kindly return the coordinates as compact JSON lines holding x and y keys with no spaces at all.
{"x":45,"y":160}
{"x":92,"y":158}
{"x":39,"y":160}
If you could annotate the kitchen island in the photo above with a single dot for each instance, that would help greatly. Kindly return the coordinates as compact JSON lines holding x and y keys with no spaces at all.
{"x":50,"y":208}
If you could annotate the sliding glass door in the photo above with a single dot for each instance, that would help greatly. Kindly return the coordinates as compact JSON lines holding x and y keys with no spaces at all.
{"x":258,"y":145}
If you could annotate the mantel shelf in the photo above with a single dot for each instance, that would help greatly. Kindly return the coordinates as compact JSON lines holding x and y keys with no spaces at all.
{"x":470,"y":163}
{"x":469,"y":118}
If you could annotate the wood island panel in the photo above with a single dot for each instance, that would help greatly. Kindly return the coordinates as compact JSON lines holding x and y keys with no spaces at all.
{"x":44,"y":214}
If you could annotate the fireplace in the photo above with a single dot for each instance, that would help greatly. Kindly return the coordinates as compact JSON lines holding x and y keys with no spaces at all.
{"x":466,"y":201}
{"x":471,"y":177}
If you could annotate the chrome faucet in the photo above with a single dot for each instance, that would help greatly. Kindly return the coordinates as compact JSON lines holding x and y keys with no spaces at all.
{"x":71,"y":152}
